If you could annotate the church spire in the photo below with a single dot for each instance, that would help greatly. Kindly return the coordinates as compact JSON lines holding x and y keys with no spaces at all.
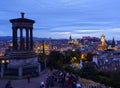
{"x":43,"y":43}
{"x":70,"y":38}
{"x":113,"y":43}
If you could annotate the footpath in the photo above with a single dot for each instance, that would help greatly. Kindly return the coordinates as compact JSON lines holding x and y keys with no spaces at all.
{"x":35,"y":82}
{"x":23,"y":83}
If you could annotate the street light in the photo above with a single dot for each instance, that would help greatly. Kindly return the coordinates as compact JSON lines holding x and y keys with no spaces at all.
{"x":3,"y":61}
{"x":7,"y":61}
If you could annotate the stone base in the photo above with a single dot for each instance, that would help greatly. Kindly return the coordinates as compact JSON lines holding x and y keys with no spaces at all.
{"x":20,"y":58}
{"x":22,"y":63}
{"x":22,"y":54}
{"x":23,"y":70}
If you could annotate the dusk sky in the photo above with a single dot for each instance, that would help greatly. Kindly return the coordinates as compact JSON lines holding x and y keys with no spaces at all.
{"x":60,"y":18}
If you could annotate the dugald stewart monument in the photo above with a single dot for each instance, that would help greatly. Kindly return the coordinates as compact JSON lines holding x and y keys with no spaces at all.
{"x":22,"y":59}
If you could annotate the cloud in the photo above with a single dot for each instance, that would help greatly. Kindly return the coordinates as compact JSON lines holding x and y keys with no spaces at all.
{"x":116,"y":29}
{"x":81,"y":31}
{"x":78,"y":17}
{"x":41,"y":28}
{"x":61,"y":33}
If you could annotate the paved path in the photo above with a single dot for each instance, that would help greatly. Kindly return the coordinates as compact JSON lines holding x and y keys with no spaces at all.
{"x":35,"y":82}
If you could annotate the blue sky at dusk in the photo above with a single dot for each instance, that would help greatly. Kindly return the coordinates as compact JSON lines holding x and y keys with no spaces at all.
{"x":60,"y":18}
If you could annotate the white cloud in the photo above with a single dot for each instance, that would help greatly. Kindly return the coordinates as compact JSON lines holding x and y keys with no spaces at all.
{"x":84,"y":30}
{"x":115,"y":29}
{"x":60,"y":33}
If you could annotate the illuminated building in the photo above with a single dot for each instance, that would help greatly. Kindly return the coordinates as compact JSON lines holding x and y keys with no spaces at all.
{"x":83,"y":56}
{"x":47,"y":48}
{"x":113,"y":45}
{"x":103,"y":45}
{"x":11,"y":44}
{"x":72,"y":41}
{"x":107,"y":60}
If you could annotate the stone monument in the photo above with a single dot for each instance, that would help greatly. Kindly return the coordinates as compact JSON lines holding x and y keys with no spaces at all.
{"x":22,"y":59}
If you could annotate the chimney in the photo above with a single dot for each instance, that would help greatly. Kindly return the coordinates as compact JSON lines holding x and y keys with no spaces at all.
{"x":22,"y":15}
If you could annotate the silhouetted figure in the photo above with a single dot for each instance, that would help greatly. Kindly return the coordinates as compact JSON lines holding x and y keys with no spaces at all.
{"x":28,"y":78}
{"x":8,"y":85}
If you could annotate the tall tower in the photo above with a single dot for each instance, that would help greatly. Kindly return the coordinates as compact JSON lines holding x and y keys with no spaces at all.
{"x":43,"y":46}
{"x":113,"y":43}
{"x":103,"y":44}
{"x":103,"y":39}
{"x":70,"y":38}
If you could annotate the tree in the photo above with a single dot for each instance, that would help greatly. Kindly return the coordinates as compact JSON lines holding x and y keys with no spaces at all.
{"x":42,"y":60}
{"x":78,"y":53}
{"x":55,"y":59}
{"x":74,"y":60}
{"x":89,"y":56}
{"x":69,"y":54}
{"x":41,"y":57}
{"x":89,"y":71}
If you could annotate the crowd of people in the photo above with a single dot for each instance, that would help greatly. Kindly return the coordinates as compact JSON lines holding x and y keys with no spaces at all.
{"x":62,"y":79}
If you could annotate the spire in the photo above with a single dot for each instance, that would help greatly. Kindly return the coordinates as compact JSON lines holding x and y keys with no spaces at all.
{"x":113,"y":43}
{"x":70,"y":38}
{"x":43,"y":47}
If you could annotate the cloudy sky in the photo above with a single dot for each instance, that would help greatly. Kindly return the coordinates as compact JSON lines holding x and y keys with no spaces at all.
{"x":60,"y":18}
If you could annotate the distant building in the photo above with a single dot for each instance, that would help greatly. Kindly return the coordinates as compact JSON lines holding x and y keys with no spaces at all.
{"x":103,"y":44}
{"x":107,"y":60}
{"x":47,"y":47}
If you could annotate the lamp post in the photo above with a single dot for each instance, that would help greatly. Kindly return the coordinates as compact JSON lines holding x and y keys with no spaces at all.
{"x":2,"y":68}
{"x":4,"y":64}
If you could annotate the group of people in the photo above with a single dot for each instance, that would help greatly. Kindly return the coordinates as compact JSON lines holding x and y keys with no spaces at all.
{"x":66,"y":79}
{"x":62,"y":79}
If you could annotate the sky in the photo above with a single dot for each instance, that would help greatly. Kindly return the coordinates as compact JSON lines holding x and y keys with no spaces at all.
{"x":60,"y":18}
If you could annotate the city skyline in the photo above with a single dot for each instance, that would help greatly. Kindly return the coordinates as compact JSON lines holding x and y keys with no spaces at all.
{"x":59,"y":19}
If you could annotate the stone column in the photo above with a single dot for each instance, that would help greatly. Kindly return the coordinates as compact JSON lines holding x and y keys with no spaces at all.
{"x":31,"y":38}
{"x":20,"y":72}
{"x":43,"y":48}
{"x":16,"y":41}
{"x":2,"y":71}
{"x":27,"y":39}
{"x":39,"y":68}
{"x":45,"y":63}
{"x":21,"y":39}
{"x":14,"y":38}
